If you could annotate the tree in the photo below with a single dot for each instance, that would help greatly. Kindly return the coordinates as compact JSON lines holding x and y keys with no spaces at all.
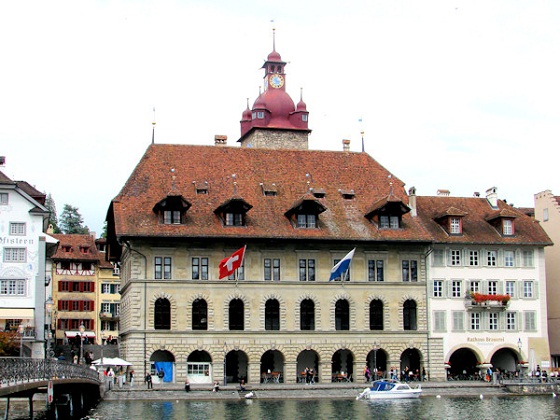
{"x":9,"y":343}
{"x":53,"y":218}
{"x":71,"y":221}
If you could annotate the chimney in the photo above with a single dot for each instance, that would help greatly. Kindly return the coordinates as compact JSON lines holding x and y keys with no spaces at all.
{"x":220,"y":140}
{"x":412,"y":201}
{"x":345,"y":145}
{"x":492,"y":197}
{"x":443,"y":193}
{"x":2,"y":161}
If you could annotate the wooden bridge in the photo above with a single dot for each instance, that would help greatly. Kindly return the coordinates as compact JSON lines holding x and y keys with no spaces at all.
{"x":71,"y":389}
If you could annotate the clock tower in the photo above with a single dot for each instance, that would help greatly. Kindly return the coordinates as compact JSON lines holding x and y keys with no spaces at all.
{"x":274,"y":122}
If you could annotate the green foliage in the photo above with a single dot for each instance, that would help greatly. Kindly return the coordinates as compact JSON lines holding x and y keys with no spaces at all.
{"x":53,"y":218}
{"x":71,"y":221}
{"x":9,"y":343}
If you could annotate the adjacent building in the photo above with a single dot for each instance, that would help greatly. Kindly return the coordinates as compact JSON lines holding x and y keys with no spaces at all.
{"x":487,"y":284}
{"x":85,"y":292}
{"x":547,"y":211}
{"x":24,"y":270}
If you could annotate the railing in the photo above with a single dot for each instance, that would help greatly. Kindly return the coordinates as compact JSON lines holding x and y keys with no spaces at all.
{"x":17,"y":370}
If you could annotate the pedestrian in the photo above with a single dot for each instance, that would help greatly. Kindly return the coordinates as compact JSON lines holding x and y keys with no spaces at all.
{"x":111,"y":378}
{"x":216,"y":387}
{"x":149,"y":380}
{"x":187,"y":385}
{"x":131,"y":375}
{"x":161,"y":375}
{"x":366,"y":373}
{"x":242,"y":385}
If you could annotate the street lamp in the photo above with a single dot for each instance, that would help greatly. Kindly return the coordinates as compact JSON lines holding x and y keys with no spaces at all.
{"x":49,"y":304}
{"x":20,"y":332}
{"x":520,"y":346}
{"x":225,"y":363}
{"x":82,"y":329}
{"x":375,"y":348}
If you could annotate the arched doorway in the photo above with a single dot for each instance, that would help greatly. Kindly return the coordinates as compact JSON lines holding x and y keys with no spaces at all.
{"x":463,"y":364}
{"x":410,"y":362}
{"x":307,"y":359}
{"x":236,"y":366}
{"x":506,"y":360}
{"x":199,"y":367}
{"x":377,"y":358}
{"x":342,"y":366}
{"x":162,"y":366}
{"x":272,"y":367}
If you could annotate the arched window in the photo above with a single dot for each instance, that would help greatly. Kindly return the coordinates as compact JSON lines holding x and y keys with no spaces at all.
{"x":199,"y":315}
{"x":307,"y":315}
{"x":236,"y":316}
{"x":409,"y":315}
{"x":376,"y":315}
{"x":342,"y":315}
{"x":162,"y":314}
{"x":272,"y":315}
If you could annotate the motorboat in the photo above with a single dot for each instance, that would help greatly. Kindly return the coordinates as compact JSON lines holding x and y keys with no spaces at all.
{"x":389,"y":389}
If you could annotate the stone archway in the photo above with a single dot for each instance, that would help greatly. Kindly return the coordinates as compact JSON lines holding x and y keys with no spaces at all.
{"x":307,"y":359}
{"x":162,"y":366}
{"x":199,"y":367}
{"x":272,"y":367}
{"x":342,"y":363}
{"x":463,"y":364}
{"x":505,"y":360}
{"x":236,"y":367}
{"x":410,"y":362}
{"x":377,"y":359}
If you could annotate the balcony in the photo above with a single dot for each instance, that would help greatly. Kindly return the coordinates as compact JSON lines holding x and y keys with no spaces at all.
{"x":480,"y":302}
{"x":108,"y":316}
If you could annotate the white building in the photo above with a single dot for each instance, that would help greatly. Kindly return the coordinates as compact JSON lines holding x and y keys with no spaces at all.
{"x":486,"y":284}
{"x":23,"y":266}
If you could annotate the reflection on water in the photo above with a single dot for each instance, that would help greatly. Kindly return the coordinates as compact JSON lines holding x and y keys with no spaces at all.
{"x":511,"y":408}
{"x":536,"y":407}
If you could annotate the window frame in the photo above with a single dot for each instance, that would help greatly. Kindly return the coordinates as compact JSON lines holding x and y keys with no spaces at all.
{"x":376,"y":270}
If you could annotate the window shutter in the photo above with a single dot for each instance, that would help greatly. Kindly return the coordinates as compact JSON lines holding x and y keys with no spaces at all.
{"x":535,"y":289}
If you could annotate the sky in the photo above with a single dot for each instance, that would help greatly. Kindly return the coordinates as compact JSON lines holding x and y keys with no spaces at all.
{"x":460,"y":95}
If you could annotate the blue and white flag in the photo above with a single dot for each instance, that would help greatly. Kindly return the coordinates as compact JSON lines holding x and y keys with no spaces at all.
{"x":342,"y":266}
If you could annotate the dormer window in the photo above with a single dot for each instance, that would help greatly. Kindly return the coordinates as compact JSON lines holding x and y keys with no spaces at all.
{"x":66,"y":248}
{"x":307,"y":221}
{"x":234,"y":219}
{"x":452,"y":220}
{"x":507,"y":227}
{"x":318,"y":193}
{"x":389,"y":222}
{"x":84,"y":249}
{"x":387,"y":213}
{"x":172,"y":210}
{"x":503,"y":221}
{"x":269,"y":190}
{"x":455,"y":225}
{"x":233,"y":212}
{"x":304,"y":214}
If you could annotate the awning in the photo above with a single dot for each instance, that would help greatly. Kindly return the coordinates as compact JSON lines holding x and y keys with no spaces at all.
{"x":16,"y":313}
{"x":72,"y":334}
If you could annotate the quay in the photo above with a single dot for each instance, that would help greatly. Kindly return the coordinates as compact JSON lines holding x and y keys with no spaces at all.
{"x":164,"y":392}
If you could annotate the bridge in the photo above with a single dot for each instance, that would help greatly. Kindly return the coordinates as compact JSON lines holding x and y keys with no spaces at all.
{"x":71,"y":389}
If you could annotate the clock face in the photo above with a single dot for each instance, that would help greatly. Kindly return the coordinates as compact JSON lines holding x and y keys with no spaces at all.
{"x":276,"y":81}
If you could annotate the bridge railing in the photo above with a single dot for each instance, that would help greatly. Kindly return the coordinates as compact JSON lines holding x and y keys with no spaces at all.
{"x":16,"y":370}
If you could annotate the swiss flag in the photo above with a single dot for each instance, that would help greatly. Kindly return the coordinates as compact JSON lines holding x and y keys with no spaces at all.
{"x":229,"y":264}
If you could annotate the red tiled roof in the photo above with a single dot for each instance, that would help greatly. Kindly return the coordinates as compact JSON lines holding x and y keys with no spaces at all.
{"x":76,"y":242}
{"x":289,"y":170}
{"x":476,"y":228}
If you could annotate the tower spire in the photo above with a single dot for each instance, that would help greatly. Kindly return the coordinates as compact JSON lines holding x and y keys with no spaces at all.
{"x":154,"y":126}
{"x":273,"y":36}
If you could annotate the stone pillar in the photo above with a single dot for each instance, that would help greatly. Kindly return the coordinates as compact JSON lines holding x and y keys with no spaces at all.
{"x":290,"y":370}
{"x":325,"y":370}
{"x":254,"y":373}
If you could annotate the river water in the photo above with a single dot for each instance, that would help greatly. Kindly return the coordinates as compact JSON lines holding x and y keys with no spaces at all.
{"x":432,"y":408}
{"x":531,"y":407}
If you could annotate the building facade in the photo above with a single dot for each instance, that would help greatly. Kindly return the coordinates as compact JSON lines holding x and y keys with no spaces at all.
{"x":547,"y":211}
{"x":84,"y":293}
{"x":24,"y":245}
{"x":298,"y":212}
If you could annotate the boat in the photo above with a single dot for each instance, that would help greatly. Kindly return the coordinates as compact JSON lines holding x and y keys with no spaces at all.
{"x":389,"y":389}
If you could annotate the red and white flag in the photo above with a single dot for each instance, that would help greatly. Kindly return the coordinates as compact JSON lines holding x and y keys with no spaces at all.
{"x":229,"y":264}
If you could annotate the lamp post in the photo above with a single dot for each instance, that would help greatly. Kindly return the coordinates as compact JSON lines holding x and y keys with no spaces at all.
{"x":49,"y":307}
{"x":520,"y":346}
{"x":225,"y":363}
{"x":82,"y":330}
{"x":20,"y":332}
{"x":375,"y":348}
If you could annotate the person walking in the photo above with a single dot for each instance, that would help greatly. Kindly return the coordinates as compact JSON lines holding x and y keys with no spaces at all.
{"x":149,"y":381}
{"x":131,"y":375}
{"x":187,"y":385}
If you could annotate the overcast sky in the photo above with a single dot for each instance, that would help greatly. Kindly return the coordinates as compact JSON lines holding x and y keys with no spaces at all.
{"x":458,"y":95}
